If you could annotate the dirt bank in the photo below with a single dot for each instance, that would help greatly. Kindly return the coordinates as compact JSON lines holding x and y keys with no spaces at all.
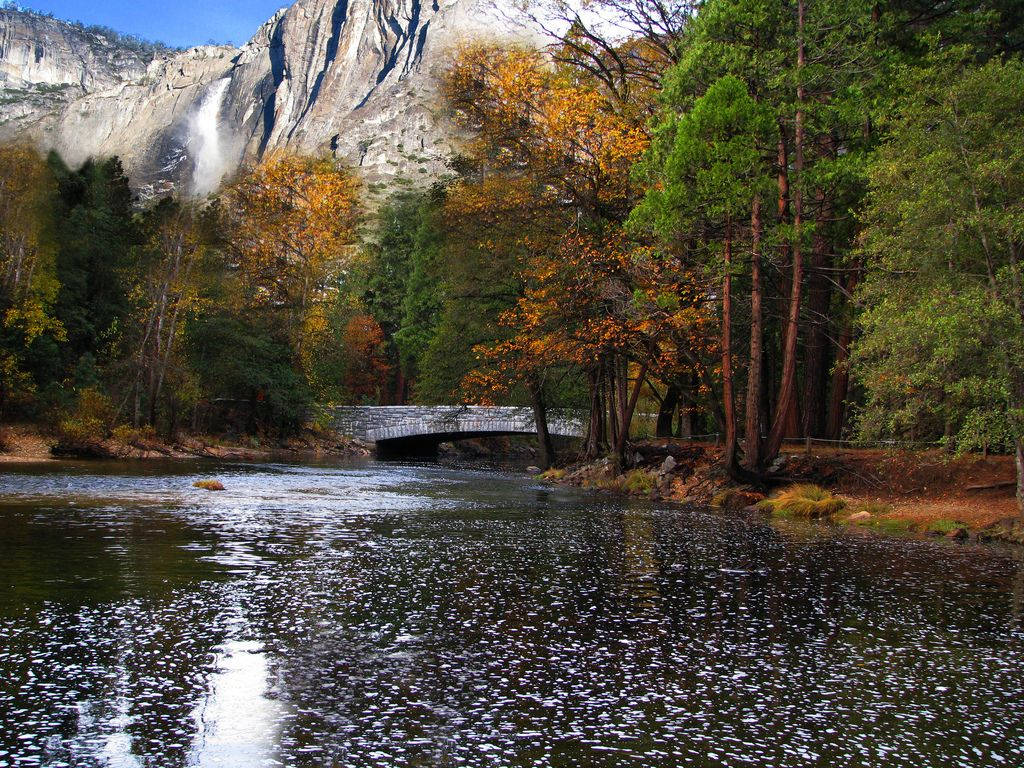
{"x":923,"y":492}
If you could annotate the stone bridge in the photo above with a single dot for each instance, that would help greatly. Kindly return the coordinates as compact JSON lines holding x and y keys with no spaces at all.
{"x":403,"y":430}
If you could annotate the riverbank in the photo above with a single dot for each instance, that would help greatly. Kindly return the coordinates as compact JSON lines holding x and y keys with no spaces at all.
{"x":928,"y":493}
{"x":28,"y":443}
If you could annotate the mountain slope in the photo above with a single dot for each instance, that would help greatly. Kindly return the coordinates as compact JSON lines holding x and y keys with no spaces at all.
{"x":352,"y":77}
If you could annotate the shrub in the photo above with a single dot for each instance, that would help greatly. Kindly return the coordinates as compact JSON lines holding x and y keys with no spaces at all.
{"x":807,"y":501}
{"x":129,"y":435}
{"x":88,"y":423}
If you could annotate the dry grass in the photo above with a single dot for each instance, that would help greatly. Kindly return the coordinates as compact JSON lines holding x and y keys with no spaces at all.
{"x":24,"y":443}
{"x":810,"y":502}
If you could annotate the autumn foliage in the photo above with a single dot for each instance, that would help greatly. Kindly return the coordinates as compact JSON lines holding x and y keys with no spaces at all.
{"x":292,"y":227}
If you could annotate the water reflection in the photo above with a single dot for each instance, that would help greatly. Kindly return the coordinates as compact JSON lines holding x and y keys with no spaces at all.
{"x":417,"y":616}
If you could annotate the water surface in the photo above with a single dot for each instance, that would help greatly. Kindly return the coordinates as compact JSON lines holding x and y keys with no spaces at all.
{"x":382,"y":615}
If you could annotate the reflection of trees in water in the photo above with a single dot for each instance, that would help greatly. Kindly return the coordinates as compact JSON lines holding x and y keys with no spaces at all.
{"x":1017,"y":612}
{"x":639,"y":566}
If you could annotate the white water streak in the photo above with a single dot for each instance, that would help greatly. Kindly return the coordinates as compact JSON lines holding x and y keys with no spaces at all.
{"x":205,"y":141}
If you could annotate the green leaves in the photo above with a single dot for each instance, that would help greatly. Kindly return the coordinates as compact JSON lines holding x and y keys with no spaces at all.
{"x":943,"y":325}
{"x":715,"y":165}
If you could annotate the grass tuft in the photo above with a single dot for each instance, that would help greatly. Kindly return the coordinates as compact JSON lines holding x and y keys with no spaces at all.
{"x":806,"y":501}
{"x":640,"y":482}
{"x":944,"y":527}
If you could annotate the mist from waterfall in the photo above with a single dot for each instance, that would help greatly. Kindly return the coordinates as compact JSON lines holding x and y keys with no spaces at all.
{"x":205,"y":142}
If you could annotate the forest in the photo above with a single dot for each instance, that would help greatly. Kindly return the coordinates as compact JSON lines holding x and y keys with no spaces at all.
{"x":761,"y":220}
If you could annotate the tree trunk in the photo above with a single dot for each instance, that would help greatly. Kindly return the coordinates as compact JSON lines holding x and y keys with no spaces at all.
{"x":782,"y":161}
{"x":667,"y":411}
{"x":627,"y":417}
{"x":728,"y":401}
{"x":684,"y":424}
{"x":540,"y":417}
{"x":787,"y":387}
{"x":401,"y":387}
{"x":592,"y":448}
{"x":819,"y":298}
{"x":1019,"y":462}
{"x":840,"y":384}
{"x":755,"y":379}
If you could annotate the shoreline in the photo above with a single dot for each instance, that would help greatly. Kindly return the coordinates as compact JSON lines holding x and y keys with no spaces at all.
{"x":890,"y":492}
{"x":28,"y":444}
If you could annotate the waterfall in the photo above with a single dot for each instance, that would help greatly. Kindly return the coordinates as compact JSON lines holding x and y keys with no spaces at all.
{"x":204,"y":141}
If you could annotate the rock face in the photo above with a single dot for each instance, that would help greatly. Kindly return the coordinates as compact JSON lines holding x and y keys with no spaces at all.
{"x":46,"y":63}
{"x":355,"y":78}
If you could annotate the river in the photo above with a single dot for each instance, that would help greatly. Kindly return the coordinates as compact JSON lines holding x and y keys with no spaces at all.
{"x":403,"y":615}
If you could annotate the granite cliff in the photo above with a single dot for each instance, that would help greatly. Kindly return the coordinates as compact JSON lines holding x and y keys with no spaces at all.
{"x":356,"y":78}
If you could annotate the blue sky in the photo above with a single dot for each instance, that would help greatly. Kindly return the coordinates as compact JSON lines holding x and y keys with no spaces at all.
{"x":175,"y":22}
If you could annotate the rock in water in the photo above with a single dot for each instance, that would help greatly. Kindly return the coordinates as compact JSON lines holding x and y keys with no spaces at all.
{"x":209,"y":485}
{"x":356,"y":78}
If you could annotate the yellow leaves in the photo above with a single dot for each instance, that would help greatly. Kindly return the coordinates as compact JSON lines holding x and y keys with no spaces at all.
{"x":28,"y":283}
{"x":293,"y":222}
{"x":529,"y":122}
{"x":32,"y":318}
{"x":490,"y":198}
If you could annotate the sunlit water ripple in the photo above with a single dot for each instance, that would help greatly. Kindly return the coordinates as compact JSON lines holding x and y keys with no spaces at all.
{"x":382,"y":615}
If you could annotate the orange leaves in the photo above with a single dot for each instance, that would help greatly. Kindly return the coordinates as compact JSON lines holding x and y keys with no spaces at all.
{"x":490,"y":199}
{"x":528,"y":122}
{"x":550,"y":155}
{"x":292,"y":222}
{"x":368,"y":369}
